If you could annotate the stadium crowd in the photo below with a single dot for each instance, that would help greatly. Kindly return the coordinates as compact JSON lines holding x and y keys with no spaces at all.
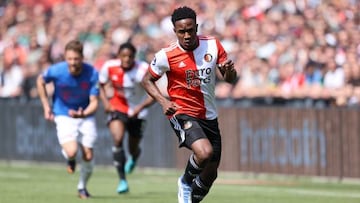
{"x":286,"y":52}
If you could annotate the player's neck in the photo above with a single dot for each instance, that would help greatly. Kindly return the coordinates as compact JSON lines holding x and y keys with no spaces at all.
{"x":196,"y":45}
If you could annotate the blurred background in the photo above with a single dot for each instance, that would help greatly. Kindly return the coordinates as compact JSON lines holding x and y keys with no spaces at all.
{"x":299,"y":54}
{"x":290,"y":52}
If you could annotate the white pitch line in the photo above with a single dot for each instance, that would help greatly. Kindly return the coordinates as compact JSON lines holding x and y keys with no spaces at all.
{"x":302,"y":192}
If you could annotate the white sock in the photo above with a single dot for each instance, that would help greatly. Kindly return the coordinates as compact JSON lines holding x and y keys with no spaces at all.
{"x":85,"y":173}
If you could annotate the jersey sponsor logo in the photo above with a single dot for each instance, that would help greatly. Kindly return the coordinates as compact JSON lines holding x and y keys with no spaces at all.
{"x":114,"y":77}
{"x":208,"y":57}
{"x":195,"y":78}
{"x":182,"y":64}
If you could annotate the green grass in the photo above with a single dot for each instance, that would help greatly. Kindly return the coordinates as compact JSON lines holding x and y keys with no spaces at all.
{"x":44,"y":183}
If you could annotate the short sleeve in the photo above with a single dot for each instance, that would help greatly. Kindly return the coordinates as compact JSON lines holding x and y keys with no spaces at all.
{"x":48,"y":74}
{"x":94,"y":83}
{"x":159,"y":64}
{"x":104,"y":73}
{"x":222,"y":55}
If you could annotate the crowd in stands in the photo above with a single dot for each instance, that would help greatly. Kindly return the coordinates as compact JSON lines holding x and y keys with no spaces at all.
{"x":286,"y":52}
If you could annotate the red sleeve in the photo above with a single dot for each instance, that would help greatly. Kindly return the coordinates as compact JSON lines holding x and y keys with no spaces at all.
{"x":222,"y":55}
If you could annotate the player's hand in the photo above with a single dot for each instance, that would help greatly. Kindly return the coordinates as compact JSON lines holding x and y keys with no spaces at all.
{"x":77,"y":114}
{"x":48,"y":114}
{"x":228,"y":65}
{"x":228,"y":71}
{"x":108,"y":108}
{"x":134,"y":113}
{"x":169,"y":108}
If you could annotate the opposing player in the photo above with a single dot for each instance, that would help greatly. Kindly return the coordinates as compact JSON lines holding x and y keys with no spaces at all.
{"x":126,"y":109}
{"x":190,"y":65}
{"x":74,"y":104}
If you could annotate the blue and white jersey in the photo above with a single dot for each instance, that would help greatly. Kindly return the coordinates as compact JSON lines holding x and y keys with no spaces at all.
{"x":71,"y":92}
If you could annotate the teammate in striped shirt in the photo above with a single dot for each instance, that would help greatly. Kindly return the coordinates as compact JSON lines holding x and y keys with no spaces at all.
{"x":190,"y":65}
{"x":126,"y":109}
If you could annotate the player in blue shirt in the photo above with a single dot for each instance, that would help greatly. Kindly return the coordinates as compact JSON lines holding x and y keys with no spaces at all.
{"x":74,"y":104}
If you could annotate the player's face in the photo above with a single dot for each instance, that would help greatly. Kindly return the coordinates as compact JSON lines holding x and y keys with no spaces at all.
{"x":127,"y":58}
{"x":185,"y":31}
{"x":74,"y":60}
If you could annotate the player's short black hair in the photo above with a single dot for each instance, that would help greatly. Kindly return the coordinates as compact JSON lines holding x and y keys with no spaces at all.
{"x":127,"y":45}
{"x":183,"y":13}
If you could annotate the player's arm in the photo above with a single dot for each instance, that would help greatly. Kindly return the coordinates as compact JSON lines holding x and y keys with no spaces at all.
{"x":89,"y":110}
{"x":104,"y":99}
{"x":92,"y":107}
{"x":149,"y":85}
{"x":225,"y":65}
{"x":93,"y":100}
{"x":93,"y":96}
{"x":43,"y":95}
{"x":146,"y":103}
{"x":148,"y":82}
{"x":103,"y":80}
{"x":228,"y":71}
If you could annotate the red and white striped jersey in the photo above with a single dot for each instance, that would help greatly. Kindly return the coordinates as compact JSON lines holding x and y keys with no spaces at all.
{"x":191,"y":75}
{"x":128,"y":91}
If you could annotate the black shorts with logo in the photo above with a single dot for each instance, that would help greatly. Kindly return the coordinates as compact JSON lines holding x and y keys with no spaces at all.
{"x":189,"y":129}
{"x":134,"y":126}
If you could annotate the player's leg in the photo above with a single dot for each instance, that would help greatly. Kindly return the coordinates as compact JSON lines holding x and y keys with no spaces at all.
{"x":202,"y":153}
{"x":87,"y":167}
{"x":117,"y":130}
{"x":134,"y":153}
{"x":135,"y":129}
{"x":203,"y":182}
{"x":69,"y":151}
{"x":191,"y":135}
{"x":67,"y":132}
{"x":89,"y":136}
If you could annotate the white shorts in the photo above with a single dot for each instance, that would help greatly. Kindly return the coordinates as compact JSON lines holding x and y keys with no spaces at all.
{"x":76,"y":129}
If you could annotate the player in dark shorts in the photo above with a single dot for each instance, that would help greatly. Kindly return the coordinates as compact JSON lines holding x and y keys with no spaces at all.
{"x":126,"y":108}
{"x":190,"y":65}
{"x":189,"y":129}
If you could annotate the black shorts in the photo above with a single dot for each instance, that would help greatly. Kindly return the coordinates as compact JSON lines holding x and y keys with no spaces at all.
{"x":134,"y":126}
{"x":189,"y":129}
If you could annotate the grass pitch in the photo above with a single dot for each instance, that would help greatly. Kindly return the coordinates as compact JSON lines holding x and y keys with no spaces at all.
{"x":49,"y":183}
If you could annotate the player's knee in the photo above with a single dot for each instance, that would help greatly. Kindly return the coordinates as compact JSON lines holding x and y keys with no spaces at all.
{"x":118,"y":141}
{"x":87,"y":156}
{"x":71,"y":154}
{"x":204,"y":154}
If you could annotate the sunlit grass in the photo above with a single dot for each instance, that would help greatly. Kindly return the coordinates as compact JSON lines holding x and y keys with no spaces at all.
{"x":44,"y":183}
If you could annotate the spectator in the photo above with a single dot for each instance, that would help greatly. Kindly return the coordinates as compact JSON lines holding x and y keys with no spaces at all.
{"x":334,"y":82}
{"x":254,"y":81}
{"x":11,"y":79}
{"x":278,"y":32}
{"x":291,"y":82}
{"x":354,"y":84}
